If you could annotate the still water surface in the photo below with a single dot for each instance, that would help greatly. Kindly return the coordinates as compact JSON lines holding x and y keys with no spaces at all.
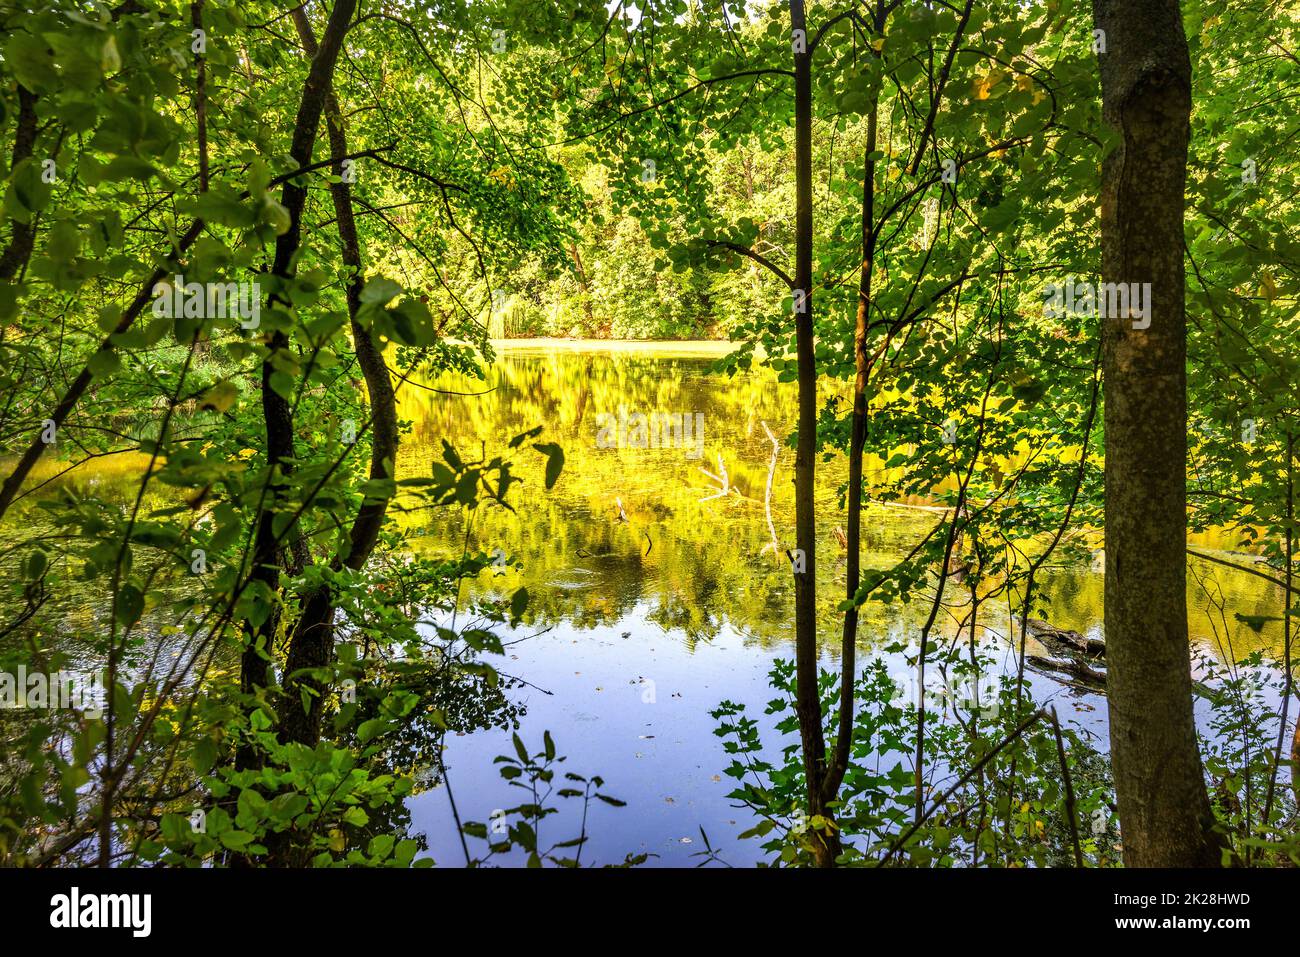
{"x":653,"y":599}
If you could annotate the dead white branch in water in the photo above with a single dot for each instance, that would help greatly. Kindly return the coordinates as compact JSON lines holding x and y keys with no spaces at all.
{"x":724,"y":482}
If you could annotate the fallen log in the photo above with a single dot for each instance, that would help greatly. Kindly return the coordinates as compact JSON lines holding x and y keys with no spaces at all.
{"x":1059,"y":640}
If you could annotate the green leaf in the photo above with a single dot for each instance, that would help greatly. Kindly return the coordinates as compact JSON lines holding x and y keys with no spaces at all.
{"x":236,"y":839}
{"x":128,"y":167}
{"x":379,"y":290}
{"x":282,"y":384}
{"x":356,"y":816}
{"x":412,"y":324}
{"x":30,"y":61}
{"x":275,"y":215}
{"x":221,"y":396}
{"x":27,"y":194}
{"x":222,"y":207}
{"x":203,"y":755}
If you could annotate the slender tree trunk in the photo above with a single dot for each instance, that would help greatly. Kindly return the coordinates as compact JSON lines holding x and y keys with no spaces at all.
{"x":143,"y":297}
{"x":14,"y":259}
{"x":23,"y":237}
{"x":311,"y":645}
{"x":1295,"y":761}
{"x":276,"y":410}
{"x":583,"y":286}
{"x":808,"y":706}
{"x":857,"y":440}
{"x":200,"y":97}
{"x":1287,"y":627}
{"x":1164,"y":811}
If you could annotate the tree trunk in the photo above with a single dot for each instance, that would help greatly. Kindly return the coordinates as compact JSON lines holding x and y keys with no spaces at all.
{"x":1164,"y":811}
{"x":857,"y":440}
{"x":23,"y":237}
{"x":808,"y":705}
{"x":276,"y":410}
{"x":312,"y":643}
{"x":584,"y":288}
{"x":1295,"y":761}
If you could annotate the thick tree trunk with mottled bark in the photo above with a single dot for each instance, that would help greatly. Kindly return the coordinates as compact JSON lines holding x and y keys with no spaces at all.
{"x":1164,"y":811}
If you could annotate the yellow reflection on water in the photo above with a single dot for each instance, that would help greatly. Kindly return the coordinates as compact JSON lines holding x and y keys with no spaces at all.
{"x":631,"y":528}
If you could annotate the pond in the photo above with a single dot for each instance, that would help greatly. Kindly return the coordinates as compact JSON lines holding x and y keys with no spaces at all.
{"x":654,"y":598}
